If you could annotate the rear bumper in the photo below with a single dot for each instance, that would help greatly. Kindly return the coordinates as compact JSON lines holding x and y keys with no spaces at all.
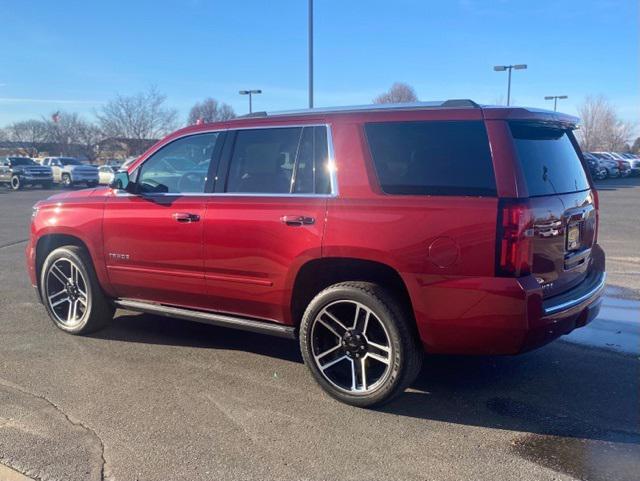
{"x":496,"y":315}
{"x":566,"y":312}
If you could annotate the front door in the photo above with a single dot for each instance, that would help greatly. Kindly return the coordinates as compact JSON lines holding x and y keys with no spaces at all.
{"x":266,"y":218}
{"x":153,"y":236}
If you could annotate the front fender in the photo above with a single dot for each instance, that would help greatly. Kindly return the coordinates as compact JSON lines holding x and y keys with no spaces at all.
{"x":80,"y":220}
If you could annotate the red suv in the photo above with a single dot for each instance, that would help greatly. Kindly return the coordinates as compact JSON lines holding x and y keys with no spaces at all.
{"x":373,"y":234}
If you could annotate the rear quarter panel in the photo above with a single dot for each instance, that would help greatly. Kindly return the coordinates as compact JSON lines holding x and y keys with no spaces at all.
{"x":442,"y":246}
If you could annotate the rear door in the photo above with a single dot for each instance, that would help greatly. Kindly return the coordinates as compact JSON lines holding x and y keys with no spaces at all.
{"x":562,"y":203}
{"x":266,"y":217}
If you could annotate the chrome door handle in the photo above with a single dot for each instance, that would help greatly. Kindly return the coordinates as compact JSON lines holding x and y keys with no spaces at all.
{"x":185,"y":217}
{"x":297,"y":220}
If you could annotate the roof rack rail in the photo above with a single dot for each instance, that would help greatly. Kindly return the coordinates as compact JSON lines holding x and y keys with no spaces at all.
{"x":252,"y":114}
{"x":460,"y":103}
{"x":451,"y":103}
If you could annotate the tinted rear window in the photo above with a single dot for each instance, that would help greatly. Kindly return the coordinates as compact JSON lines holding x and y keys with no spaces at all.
{"x":432,"y":157}
{"x":548,"y":160}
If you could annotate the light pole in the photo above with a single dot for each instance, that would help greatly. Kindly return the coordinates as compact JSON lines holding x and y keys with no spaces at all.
{"x":310,"y":31}
{"x":250,"y":93}
{"x":555,"y":100}
{"x":502,"y":68}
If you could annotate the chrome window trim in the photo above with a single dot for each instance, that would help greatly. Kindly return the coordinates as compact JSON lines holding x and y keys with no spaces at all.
{"x":333,"y":178}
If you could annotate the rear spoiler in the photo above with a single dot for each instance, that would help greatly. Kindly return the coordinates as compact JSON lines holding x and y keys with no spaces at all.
{"x":545,"y":117}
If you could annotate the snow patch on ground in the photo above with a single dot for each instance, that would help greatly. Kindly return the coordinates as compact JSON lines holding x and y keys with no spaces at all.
{"x":616,"y":328}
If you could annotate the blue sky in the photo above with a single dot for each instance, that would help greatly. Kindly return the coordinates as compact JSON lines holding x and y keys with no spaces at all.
{"x":74,"y":55}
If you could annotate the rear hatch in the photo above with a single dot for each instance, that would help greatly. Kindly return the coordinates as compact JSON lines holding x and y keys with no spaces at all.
{"x":562,"y":206}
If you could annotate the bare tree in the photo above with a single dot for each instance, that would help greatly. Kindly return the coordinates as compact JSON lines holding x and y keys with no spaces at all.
{"x":635,"y":148}
{"x":601,"y":128}
{"x":399,"y":92}
{"x":142,"y":116}
{"x":210,"y":110}
{"x":73,"y":135}
{"x":28,"y":131}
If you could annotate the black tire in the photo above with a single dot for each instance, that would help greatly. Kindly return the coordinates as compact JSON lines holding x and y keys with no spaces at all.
{"x":98,"y":309}
{"x":16,"y":183}
{"x":66,"y":181}
{"x":404,"y":354}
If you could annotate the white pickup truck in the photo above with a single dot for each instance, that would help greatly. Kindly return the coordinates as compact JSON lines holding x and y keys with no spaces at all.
{"x":69,"y":171}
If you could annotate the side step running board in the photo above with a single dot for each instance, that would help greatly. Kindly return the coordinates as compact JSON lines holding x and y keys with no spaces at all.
{"x":223,"y":320}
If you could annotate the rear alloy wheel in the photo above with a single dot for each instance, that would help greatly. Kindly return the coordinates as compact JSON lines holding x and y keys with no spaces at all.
{"x":358,"y":344}
{"x":66,"y":180}
{"x":71,"y":293}
{"x":16,"y":183}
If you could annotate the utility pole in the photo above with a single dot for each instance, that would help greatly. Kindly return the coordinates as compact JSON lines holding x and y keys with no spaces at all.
{"x":310,"y":31}
{"x":502,"y":68}
{"x":555,"y":100}
{"x":250,"y":94}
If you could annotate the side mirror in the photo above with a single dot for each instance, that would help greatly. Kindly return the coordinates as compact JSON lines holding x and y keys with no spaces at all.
{"x":121,"y":181}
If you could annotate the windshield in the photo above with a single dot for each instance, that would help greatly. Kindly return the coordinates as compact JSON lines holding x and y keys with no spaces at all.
{"x":549,"y":160}
{"x":21,"y":161}
{"x":67,"y":161}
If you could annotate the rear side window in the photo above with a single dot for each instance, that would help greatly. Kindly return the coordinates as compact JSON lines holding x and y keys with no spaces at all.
{"x":548,"y":159}
{"x":432,"y":157}
{"x":288,"y":160}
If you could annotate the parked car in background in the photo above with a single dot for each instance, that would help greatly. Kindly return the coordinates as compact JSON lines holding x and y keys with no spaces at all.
{"x":634,"y":160}
{"x":597,"y":171}
{"x":624,"y":166}
{"x":105,"y":174}
{"x":113,"y":163}
{"x":17,"y":172}
{"x":369,"y":251}
{"x":608,"y":163}
{"x":127,"y":162}
{"x":68,"y":171}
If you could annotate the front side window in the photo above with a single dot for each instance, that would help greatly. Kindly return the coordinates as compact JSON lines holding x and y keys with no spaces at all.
{"x":69,"y":161}
{"x":179,"y":167}
{"x":432,"y":157}
{"x":288,"y":160}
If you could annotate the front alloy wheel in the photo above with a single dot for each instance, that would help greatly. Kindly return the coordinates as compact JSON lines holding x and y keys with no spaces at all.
{"x":16,"y":183}
{"x":71,"y":293}
{"x":359,"y":343}
{"x":66,"y":180}
{"x":66,"y":292}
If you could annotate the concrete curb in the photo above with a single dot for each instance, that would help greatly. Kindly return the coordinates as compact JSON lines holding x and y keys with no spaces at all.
{"x":8,"y":474}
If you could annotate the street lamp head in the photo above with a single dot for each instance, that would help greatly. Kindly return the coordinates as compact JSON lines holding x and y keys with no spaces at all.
{"x":549,"y":97}
{"x":520,"y":66}
{"x":500,"y":68}
{"x":247,"y":92}
{"x":563,"y":97}
{"x":243,"y":92}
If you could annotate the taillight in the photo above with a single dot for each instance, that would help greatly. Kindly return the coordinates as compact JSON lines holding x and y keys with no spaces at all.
{"x":596,"y":205}
{"x":515,"y":238}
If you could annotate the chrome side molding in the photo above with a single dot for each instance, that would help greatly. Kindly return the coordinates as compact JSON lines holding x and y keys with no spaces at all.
{"x":222,"y":320}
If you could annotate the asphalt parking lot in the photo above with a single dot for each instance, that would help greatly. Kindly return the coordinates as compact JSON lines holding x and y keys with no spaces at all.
{"x":162,"y":399}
